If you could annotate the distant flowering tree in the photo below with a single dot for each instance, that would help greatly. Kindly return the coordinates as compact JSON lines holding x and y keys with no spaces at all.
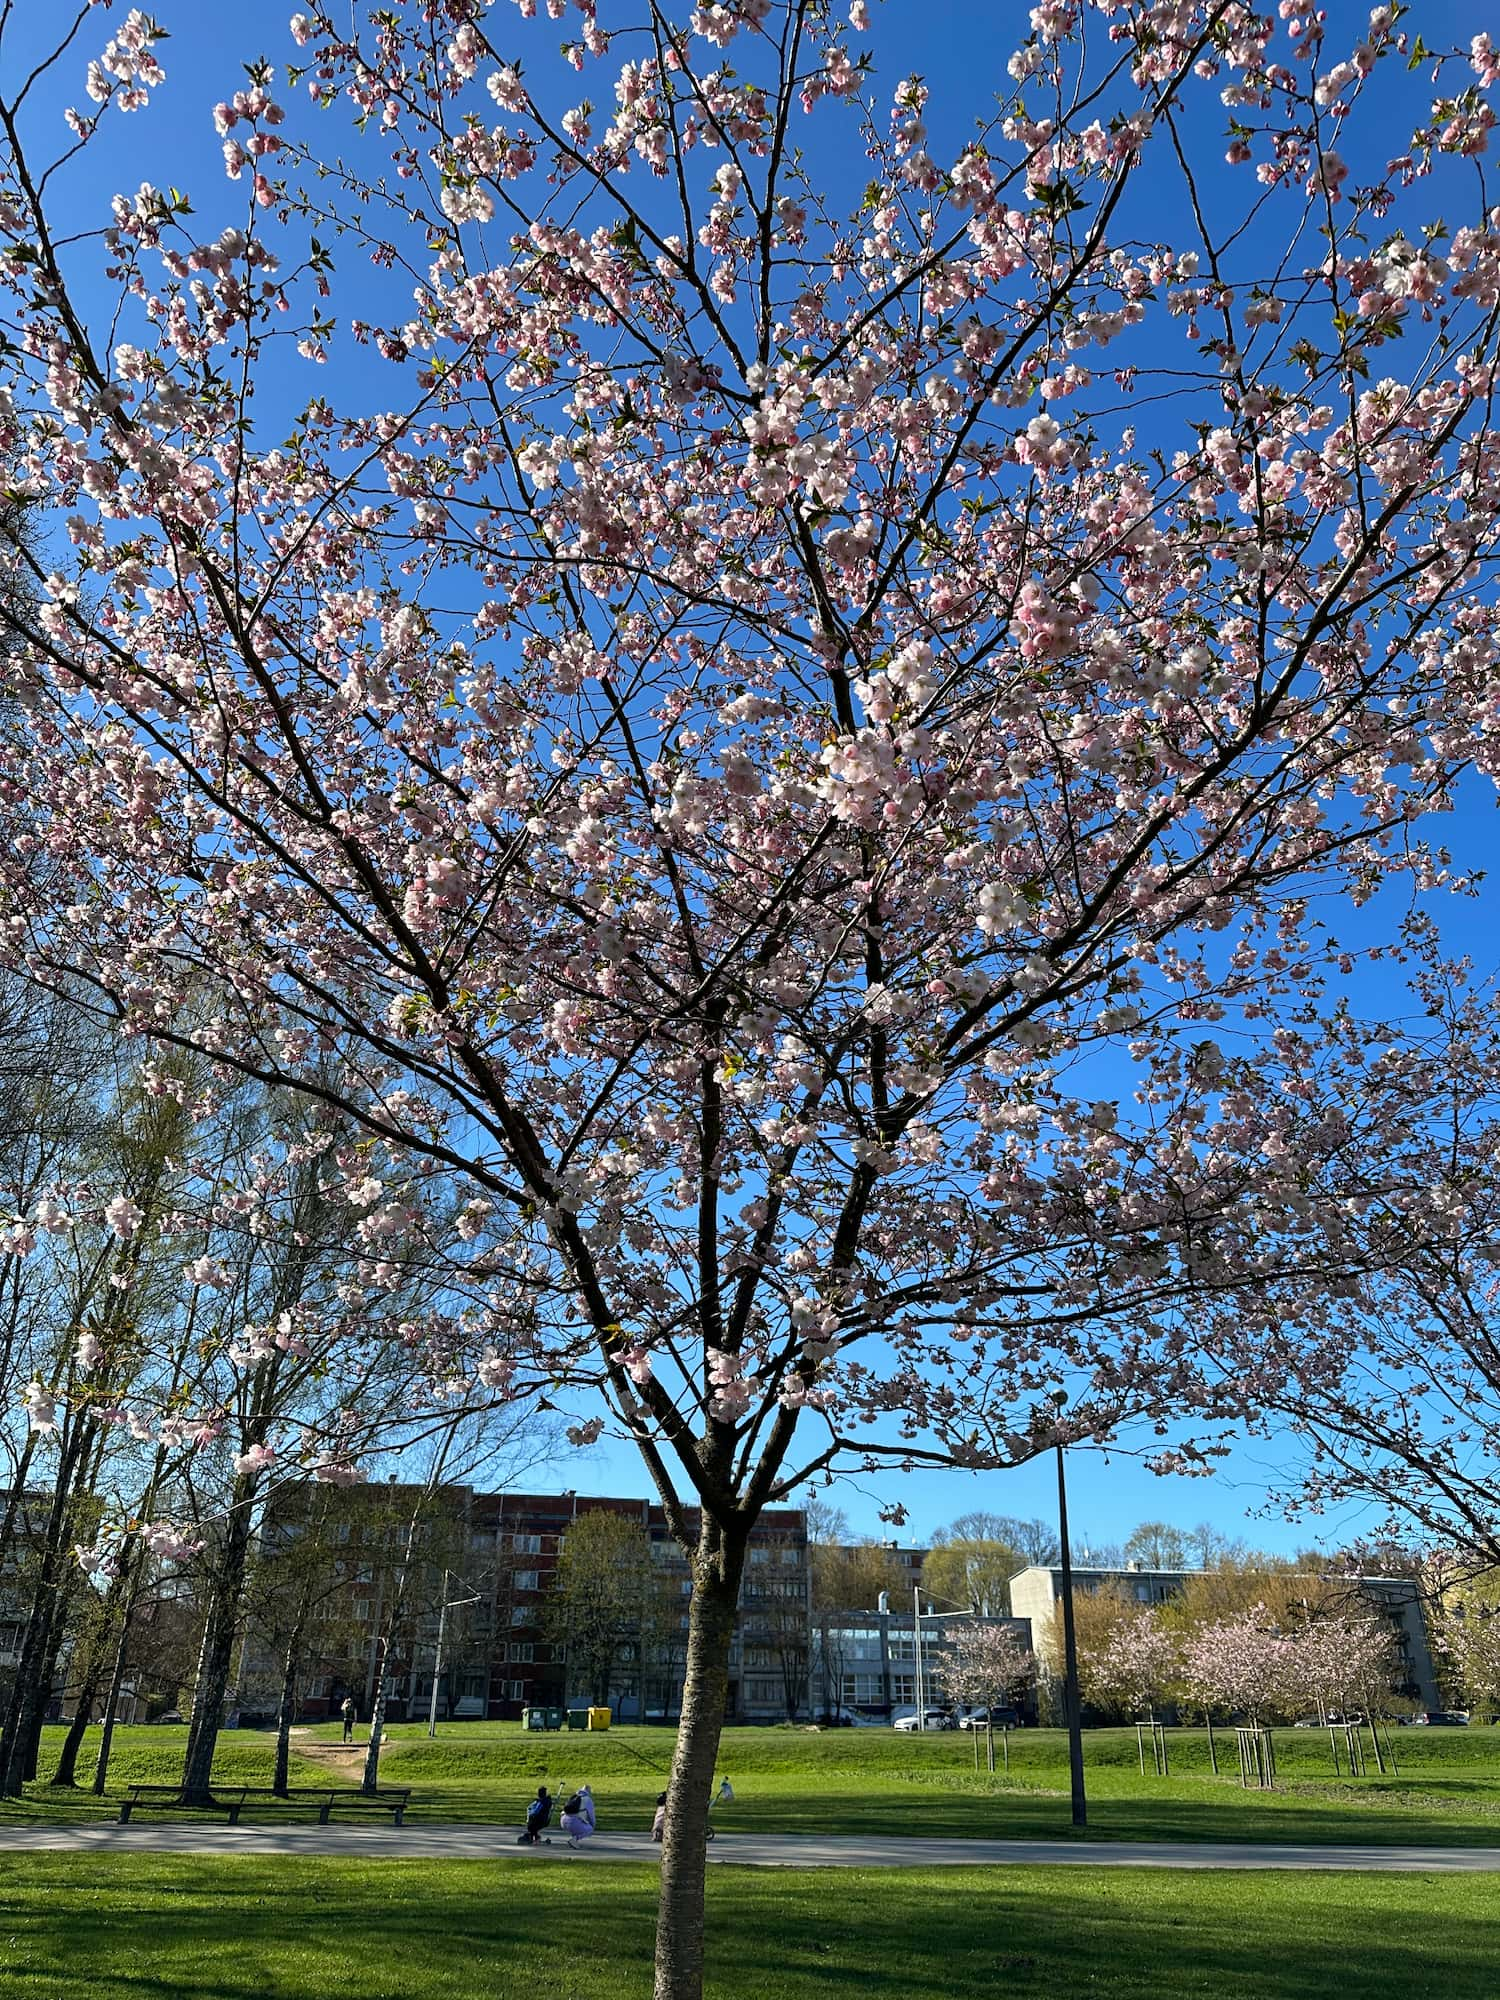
{"x":1241,"y":1666}
{"x":1345,"y":1664}
{"x":712,"y":712}
{"x":1133,"y":1665}
{"x":984,"y":1665}
{"x":1466,"y":1630}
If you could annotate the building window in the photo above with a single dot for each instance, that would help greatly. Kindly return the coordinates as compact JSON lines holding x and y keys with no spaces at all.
{"x":527,"y":1545}
{"x":862,"y":1688}
{"x":526,"y":1579}
{"x":903,"y":1687}
{"x":362,"y":1608}
{"x":763,"y":1692}
{"x":522,"y":1653}
{"x":902,"y":1646}
{"x":516,"y":1690}
{"x":520,"y":1614}
{"x":760,"y":1555}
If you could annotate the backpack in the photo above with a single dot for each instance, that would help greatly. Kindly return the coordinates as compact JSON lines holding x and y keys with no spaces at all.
{"x":574,"y":1804}
{"x":539,"y":1812}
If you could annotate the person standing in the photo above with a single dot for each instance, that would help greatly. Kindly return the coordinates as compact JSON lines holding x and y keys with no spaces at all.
{"x":348,"y":1713}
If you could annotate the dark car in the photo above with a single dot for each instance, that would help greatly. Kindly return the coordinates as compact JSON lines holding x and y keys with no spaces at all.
{"x":997,"y":1718}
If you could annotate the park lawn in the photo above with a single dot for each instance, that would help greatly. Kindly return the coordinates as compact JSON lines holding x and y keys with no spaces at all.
{"x":149,"y":1756}
{"x":879,"y":1782}
{"x":876,"y":1782}
{"x":159,"y":1927}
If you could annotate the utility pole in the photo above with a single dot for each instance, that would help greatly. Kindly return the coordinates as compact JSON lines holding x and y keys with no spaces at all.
{"x":916,"y":1626}
{"x":1071,"y":1703}
{"x":444,"y":1606}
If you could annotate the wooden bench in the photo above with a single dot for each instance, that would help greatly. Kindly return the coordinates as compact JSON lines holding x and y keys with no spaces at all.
{"x":231,"y":1799}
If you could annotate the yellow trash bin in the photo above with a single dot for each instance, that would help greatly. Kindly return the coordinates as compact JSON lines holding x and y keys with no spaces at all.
{"x":598,"y":1718}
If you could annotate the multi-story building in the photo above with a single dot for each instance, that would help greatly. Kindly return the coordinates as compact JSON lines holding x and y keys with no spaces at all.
{"x":493,"y":1559}
{"x":866,"y":1661}
{"x":1035,"y":1593}
{"x":24,"y":1512}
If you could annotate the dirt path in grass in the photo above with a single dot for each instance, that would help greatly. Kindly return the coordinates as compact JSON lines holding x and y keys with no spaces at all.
{"x":347,"y":1759}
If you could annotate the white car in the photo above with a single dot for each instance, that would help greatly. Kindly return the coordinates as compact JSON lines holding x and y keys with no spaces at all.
{"x":932,"y":1718}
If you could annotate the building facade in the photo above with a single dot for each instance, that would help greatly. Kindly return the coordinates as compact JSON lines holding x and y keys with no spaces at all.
{"x":492,"y":1559}
{"x":865,"y":1662}
{"x":1036,"y":1592}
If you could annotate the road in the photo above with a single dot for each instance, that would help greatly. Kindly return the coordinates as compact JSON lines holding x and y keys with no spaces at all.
{"x":479,"y":1843}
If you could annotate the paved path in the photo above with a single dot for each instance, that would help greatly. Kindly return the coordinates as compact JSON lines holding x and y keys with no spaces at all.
{"x":477,"y":1843}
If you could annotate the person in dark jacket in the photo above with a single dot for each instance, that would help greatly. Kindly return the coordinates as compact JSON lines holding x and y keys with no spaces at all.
{"x":538,"y":1816}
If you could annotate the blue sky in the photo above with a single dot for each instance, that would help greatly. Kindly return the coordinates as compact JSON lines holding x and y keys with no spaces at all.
{"x":959,"y":47}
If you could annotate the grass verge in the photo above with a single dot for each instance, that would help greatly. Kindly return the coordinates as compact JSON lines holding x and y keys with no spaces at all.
{"x":87,"y":1927}
{"x":876,"y":1782}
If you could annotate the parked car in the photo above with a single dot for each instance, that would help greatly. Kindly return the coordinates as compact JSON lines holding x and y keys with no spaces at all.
{"x":932,"y":1718}
{"x":997,"y":1718}
{"x":170,"y":1716}
{"x":1441,"y":1718}
{"x":845,"y":1718}
{"x":1334,"y":1715}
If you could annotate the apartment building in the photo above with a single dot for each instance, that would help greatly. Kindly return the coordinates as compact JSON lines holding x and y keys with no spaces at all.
{"x":492,"y":1558}
{"x":1035,"y":1593}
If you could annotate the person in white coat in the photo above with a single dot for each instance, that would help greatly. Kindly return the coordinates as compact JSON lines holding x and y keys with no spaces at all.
{"x":578,"y":1817}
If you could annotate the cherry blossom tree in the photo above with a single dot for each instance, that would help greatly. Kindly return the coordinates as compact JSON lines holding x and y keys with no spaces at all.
{"x":1133,"y":1665}
{"x":1389,"y":1370}
{"x":1466,"y":1630}
{"x":1345,"y":1664}
{"x":733,"y":716}
{"x":985,"y":1666}
{"x":1241,"y":1665}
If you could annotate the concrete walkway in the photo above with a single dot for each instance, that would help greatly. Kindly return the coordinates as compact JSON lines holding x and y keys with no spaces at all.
{"x":487,"y":1843}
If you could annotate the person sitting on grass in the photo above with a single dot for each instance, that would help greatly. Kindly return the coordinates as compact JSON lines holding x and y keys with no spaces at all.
{"x":538,"y":1814}
{"x":578,"y":1817}
{"x":659,"y":1824}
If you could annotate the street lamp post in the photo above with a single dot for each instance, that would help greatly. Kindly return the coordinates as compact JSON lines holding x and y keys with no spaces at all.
{"x":444,"y":1607}
{"x":1071,"y":1703}
{"x":916,"y":1633}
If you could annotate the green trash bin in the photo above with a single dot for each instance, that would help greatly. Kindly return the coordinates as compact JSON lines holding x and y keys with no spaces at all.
{"x":533,"y":1718}
{"x":554,"y":1718}
{"x":578,"y":1718}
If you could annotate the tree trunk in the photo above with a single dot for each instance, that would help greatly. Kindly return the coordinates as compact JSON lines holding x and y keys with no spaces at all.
{"x":43,"y":1634}
{"x":1213,"y":1754}
{"x":684,"y":1859}
{"x":371,"y":1779}
{"x":286,"y":1712}
{"x":218,"y":1649}
{"x":66,"y":1773}
{"x":112,"y":1700}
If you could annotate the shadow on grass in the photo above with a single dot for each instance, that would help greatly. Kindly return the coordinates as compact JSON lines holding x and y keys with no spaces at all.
{"x":90,"y":1928}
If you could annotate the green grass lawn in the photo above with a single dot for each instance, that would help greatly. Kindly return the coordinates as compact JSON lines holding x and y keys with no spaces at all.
{"x":87,"y":1927}
{"x":877,"y":1782}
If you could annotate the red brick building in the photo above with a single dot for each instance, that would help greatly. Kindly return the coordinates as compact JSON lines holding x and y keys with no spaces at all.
{"x":500,"y":1653}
